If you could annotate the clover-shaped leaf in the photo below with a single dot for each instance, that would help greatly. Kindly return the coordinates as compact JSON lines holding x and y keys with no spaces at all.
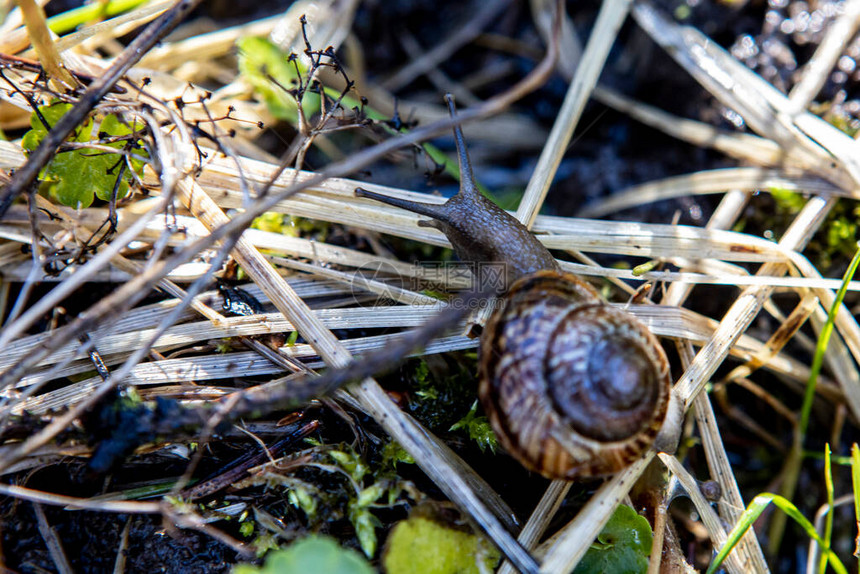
{"x":315,"y":554}
{"x":624,"y":545}
{"x":75,"y":177}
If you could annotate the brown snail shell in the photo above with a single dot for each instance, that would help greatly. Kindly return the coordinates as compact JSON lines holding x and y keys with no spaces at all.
{"x":572,"y":386}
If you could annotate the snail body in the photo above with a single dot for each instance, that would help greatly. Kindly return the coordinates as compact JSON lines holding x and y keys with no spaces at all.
{"x":478,"y":229}
{"x":572,"y":386}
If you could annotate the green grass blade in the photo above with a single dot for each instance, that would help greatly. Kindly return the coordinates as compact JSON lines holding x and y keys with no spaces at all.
{"x":821,"y":346}
{"x":71,"y":19}
{"x":828,"y":524}
{"x":791,"y":470}
{"x":855,"y":481}
{"x":751,"y":514}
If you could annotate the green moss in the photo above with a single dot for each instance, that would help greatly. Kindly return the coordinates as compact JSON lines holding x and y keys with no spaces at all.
{"x":423,"y":546}
{"x":787,"y":201}
{"x":274,"y":222}
{"x":835,"y":241}
{"x":290,"y":225}
{"x":246,"y":528}
{"x":393,"y":454}
{"x":479,"y":429}
{"x":379,"y":487}
{"x":442,"y":396}
{"x":838,"y":117}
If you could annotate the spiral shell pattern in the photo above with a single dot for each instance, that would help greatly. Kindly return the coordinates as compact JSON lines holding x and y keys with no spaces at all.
{"x":572,"y":386}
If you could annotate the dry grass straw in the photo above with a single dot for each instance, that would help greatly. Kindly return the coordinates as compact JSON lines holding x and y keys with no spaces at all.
{"x":792,"y":149}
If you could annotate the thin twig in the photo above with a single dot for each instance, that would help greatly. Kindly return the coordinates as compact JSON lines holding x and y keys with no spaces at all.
{"x":120,"y":506}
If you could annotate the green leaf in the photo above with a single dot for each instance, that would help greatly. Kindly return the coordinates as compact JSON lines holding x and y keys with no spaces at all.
{"x":260,"y":62}
{"x":422,"y":546}
{"x":264,"y":543}
{"x":74,"y":177}
{"x":645,"y":267}
{"x":363,"y":521}
{"x":315,"y":554}
{"x":351,"y":463}
{"x":246,"y":528}
{"x":301,"y":498}
{"x":365,"y":524}
{"x":623,"y":546}
{"x":393,"y":453}
{"x":371,"y":494}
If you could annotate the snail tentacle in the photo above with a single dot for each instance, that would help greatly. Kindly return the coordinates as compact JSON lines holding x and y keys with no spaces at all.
{"x":468,"y":186}
{"x":428,"y":209}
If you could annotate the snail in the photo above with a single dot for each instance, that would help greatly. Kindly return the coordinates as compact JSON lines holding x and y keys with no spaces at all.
{"x":572,"y":387}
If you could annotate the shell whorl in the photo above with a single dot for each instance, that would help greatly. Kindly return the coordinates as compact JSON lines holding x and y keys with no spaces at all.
{"x":572,"y":386}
